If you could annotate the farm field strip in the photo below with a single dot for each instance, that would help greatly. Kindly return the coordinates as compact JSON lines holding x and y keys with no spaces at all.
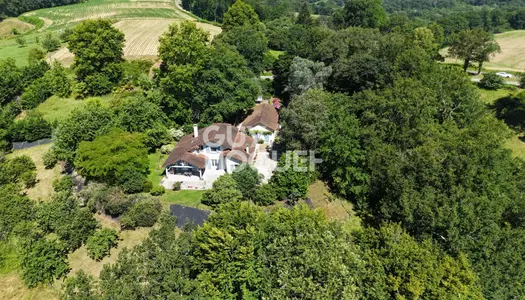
{"x":142,"y":38}
{"x":118,"y":9}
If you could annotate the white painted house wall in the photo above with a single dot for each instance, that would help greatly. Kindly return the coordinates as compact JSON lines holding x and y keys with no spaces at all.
{"x":213,"y":153}
{"x":231,"y":164}
{"x":259,"y":128}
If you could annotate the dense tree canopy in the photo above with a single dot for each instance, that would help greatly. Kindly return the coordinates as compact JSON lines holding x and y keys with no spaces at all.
{"x":363,"y":13}
{"x":115,"y":158}
{"x":250,"y":42}
{"x":209,"y":84}
{"x":82,"y":125}
{"x":474,"y":45}
{"x":304,"y":120}
{"x":243,"y":252}
{"x":98,"y":49}
{"x":238,"y":15}
{"x":437,"y":195}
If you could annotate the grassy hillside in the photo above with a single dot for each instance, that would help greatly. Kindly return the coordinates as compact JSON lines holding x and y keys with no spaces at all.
{"x":142,"y":21}
{"x":65,"y":16}
{"x":512,"y":56}
{"x":7,"y":26}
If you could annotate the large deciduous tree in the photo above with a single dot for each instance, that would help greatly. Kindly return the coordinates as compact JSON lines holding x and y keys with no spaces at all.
{"x":250,"y":41}
{"x":292,"y":177}
{"x":238,"y":15}
{"x":14,"y":208}
{"x":245,"y":252}
{"x":248,"y":180}
{"x":10,"y":81}
{"x":225,"y":189}
{"x":364,"y":13}
{"x":400,"y":267}
{"x":98,"y":49}
{"x":43,"y":261}
{"x":305,"y":74}
{"x":203,"y":83}
{"x":84,"y":124}
{"x":117,"y":158}
{"x":304,"y":120}
{"x":473,"y":45}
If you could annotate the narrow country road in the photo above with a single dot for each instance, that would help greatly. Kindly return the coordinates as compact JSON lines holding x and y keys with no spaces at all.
{"x":506,"y":82}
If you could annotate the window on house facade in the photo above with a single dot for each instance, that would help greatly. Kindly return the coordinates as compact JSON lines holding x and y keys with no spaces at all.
{"x":214,"y":149}
{"x":214,"y":162}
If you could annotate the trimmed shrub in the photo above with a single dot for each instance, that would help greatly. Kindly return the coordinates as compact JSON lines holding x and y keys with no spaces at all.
{"x":43,"y":261}
{"x":99,"y":244}
{"x":50,"y":42}
{"x":30,"y":129}
{"x":157,"y":191}
{"x":142,"y":214}
{"x":50,"y":159}
{"x":265,"y":195}
{"x":491,"y":81}
{"x":177,"y":186}
{"x":166,"y":149}
{"x":107,"y":200}
{"x":64,"y":184}
{"x":148,"y":185}
{"x":224,"y":190}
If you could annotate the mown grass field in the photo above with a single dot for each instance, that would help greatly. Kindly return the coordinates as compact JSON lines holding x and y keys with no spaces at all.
{"x":517,"y":143}
{"x":142,"y":38}
{"x":65,"y":16}
{"x":12,"y":285}
{"x":45,"y":177}
{"x":142,"y":22}
{"x":57,"y":109}
{"x":512,"y":56}
{"x":7,"y":26}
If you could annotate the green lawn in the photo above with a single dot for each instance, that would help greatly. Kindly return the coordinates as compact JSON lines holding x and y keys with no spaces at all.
{"x":276,"y":53}
{"x":488,"y":96}
{"x":155,"y":166}
{"x":10,"y":49}
{"x":511,"y":57}
{"x":516,"y":144}
{"x":184,"y":197}
{"x":56,"y":108}
{"x":9,"y":258}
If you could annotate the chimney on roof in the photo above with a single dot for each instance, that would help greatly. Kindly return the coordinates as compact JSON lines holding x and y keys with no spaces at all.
{"x":248,"y":149}
{"x":195,"y":130}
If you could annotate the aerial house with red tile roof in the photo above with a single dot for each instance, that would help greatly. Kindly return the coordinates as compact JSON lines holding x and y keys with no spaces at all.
{"x":201,"y":157}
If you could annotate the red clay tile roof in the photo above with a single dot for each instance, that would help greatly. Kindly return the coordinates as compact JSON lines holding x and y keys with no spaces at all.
{"x":220,"y":134}
{"x":263,"y":114}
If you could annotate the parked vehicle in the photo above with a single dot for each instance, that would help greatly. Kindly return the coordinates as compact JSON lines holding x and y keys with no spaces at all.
{"x":504,"y":74}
